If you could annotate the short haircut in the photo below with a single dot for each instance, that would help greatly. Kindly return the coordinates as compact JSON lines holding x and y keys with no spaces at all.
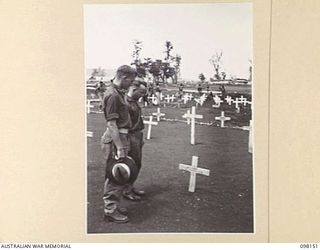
{"x":125,"y":71}
{"x":139,"y":81}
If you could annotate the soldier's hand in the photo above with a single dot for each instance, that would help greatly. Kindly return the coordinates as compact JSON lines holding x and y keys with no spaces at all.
{"x":121,"y":153}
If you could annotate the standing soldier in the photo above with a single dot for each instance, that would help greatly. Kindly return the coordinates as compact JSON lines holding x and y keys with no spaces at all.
{"x":99,"y":91}
{"x":200,"y":88}
{"x":137,"y":90}
{"x":115,"y":140}
{"x":180,"y":90}
{"x":158,"y":92}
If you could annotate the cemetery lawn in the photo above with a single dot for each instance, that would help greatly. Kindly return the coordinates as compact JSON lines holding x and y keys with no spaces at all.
{"x":222,"y":202}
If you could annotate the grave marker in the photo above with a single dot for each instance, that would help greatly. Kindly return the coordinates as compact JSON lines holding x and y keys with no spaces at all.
{"x":158,"y":114}
{"x":194,"y":170}
{"x":229,"y":100}
{"x":222,"y":119}
{"x":193,"y":116}
{"x":168,"y":98}
{"x":250,"y":148}
{"x":187,"y":116}
{"x":249,"y":128}
{"x":153,"y":99}
{"x":150,"y":123}
{"x":218,"y":101}
{"x":185,"y":98}
{"x":89,"y":105}
{"x":172,"y":98}
{"x":242,"y":99}
{"x":237,"y":102}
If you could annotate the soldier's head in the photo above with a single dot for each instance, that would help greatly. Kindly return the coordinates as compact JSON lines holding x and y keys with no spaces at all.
{"x":137,"y":89}
{"x":125,"y":76}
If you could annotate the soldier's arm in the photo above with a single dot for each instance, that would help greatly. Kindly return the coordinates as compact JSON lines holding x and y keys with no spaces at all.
{"x":111,"y":104}
{"x":114,"y":133}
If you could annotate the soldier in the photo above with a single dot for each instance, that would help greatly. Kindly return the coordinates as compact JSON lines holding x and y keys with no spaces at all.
{"x":223,"y":91}
{"x":180,"y":90}
{"x":115,"y":140}
{"x":99,"y":91}
{"x":158,"y":92}
{"x":137,"y":90}
{"x":200,"y":88}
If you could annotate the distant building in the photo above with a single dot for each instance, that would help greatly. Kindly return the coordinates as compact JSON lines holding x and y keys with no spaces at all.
{"x":236,"y":81}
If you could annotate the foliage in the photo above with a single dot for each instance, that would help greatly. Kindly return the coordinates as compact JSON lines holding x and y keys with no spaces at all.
{"x":216,"y":61}
{"x":160,"y":70}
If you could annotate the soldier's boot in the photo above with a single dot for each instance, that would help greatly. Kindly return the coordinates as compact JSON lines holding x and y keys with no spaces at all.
{"x":116,"y":217}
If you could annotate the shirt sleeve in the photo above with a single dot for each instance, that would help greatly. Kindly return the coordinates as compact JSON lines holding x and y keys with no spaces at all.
{"x":111,"y":110}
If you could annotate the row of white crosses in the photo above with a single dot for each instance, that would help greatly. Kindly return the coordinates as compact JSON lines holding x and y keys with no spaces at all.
{"x":187,"y":97}
{"x":170,"y":98}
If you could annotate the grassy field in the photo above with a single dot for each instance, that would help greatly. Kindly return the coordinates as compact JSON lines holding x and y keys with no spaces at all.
{"x":222,"y":202}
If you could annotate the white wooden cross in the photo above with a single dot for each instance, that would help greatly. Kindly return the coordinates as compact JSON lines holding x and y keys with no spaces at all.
{"x":158,"y":99}
{"x":89,"y":105}
{"x":161,"y":96}
{"x":89,"y":134}
{"x":237,"y":102}
{"x":150,"y":123}
{"x":250,"y":138}
{"x":250,"y":147}
{"x":168,"y":98}
{"x":187,"y":115}
{"x":249,"y":128}
{"x":193,"y":116}
{"x":158,"y":114}
{"x":198,"y":101}
{"x":172,"y":98}
{"x":194,"y":170}
{"x":242,"y":99}
{"x":222,"y":119}
{"x":229,"y":100}
{"x":218,"y":101}
{"x":153,"y":99}
{"x":185,"y":98}
{"x":190,"y":96}
{"x":203,"y":98}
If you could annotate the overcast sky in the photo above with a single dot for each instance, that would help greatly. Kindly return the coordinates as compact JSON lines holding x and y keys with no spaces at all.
{"x":196,"y":31}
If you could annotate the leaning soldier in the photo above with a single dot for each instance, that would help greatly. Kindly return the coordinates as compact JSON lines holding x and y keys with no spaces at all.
{"x":135,"y":92}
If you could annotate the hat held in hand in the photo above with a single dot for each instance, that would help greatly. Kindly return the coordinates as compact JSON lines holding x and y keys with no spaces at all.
{"x":122,"y":171}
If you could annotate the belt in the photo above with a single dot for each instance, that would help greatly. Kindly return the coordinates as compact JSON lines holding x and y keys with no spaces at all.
{"x":123,"y":130}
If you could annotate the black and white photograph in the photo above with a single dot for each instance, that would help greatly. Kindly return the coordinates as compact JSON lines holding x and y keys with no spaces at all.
{"x":169,"y":118}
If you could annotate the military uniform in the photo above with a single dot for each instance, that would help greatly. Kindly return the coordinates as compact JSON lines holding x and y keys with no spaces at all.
{"x":115,"y":108}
